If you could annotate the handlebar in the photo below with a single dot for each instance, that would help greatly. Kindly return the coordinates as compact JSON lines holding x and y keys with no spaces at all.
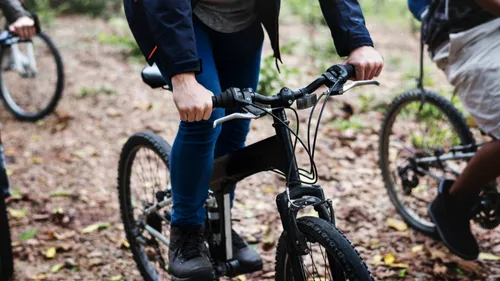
{"x":8,"y":38}
{"x":335,"y":76}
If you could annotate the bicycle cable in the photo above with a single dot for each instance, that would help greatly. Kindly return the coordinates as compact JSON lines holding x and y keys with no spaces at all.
{"x":297,"y":138}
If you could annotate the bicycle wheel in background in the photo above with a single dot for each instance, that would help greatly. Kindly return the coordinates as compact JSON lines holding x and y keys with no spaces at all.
{"x":412,"y":129}
{"x":331,"y":256}
{"x":31,"y":78}
{"x":6,"y":262}
{"x":143,"y":180}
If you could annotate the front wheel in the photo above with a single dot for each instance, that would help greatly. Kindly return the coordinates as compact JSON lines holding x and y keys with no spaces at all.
{"x":331,"y":256}
{"x":143,"y":181}
{"x":31,"y":78}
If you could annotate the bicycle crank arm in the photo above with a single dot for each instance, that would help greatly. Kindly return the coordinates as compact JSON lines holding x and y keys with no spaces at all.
{"x":233,"y":116}
{"x":157,"y":235}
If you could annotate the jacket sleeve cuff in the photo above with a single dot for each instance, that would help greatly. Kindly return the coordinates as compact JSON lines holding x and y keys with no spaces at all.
{"x":15,"y":15}
{"x":185,"y":67}
{"x":355,"y":43}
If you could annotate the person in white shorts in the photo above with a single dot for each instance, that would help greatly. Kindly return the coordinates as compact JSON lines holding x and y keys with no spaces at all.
{"x":464,"y":41}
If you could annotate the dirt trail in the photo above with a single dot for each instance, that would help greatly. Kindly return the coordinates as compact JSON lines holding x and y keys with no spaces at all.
{"x":77,"y":151}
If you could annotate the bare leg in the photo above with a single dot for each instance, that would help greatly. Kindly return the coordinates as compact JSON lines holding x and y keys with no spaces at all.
{"x":483,"y":168}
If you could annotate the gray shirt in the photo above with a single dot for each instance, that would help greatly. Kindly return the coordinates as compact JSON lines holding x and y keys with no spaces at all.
{"x":12,"y":10}
{"x":226,"y":16}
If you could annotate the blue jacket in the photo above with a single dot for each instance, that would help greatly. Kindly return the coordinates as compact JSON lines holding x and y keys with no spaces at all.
{"x":164,"y":32}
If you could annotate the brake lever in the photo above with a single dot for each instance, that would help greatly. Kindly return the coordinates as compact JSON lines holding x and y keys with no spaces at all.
{"x":359,"y":83}
{"x":233,"y":116}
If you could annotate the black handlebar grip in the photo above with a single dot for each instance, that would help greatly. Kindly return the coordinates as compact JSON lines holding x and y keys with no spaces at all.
{"x":351,"y":71}
{"x":215,"y":103}
{"x":224,"y":99}
{"x":35,"y":18}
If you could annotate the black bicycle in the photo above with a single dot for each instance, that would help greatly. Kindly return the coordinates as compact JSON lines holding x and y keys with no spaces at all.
{"x":6,"y":261}
{"x":310,"y":248}
{"x":31,"y":76}
{"x":423,"y":140}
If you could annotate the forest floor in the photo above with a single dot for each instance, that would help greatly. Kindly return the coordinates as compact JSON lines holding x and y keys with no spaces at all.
{"x":64,"y":169}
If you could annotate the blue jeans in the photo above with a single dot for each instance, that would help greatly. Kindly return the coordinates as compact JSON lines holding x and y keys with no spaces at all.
{"x":228,"y":60}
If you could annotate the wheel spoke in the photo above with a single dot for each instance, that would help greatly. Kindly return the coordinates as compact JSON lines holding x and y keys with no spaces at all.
{"x":412,"y":129}
{"x":148,"y":175}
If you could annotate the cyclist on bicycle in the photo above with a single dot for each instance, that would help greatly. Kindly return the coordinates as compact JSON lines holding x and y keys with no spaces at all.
{"x":203,"y":47}
{"x":464,"y":41}
{"x":20,"y":23}
{"x":18,"y":18}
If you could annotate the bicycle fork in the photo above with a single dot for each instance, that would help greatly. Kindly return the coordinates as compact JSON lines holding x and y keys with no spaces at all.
{"x":218,"y":208}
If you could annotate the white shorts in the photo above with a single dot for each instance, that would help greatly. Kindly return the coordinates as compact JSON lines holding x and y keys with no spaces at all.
{"x":471,"y":61}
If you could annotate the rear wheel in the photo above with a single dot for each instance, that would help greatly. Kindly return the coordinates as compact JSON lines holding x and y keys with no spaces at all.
{"x":414,"y":128}
{"x":331,"y":256}
{"x":143,"y":181}
{"x":31,"y":78}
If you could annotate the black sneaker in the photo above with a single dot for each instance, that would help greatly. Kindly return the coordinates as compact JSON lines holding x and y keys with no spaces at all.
{"x":246,"y":255}
{"x":452,"y":219}
{"x":188,"y":256}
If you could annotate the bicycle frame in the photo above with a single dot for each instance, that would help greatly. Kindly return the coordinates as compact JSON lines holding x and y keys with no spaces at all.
{"x":275,"y":152}
{"x":272,"y":153}
{"x":462,"y":152}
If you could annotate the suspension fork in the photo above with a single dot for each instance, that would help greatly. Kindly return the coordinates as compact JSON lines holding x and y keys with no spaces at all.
{"x":220,"y":226}
{"x":296,"y":242}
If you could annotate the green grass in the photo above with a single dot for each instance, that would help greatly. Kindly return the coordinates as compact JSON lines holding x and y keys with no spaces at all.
{"x":270,"y":80}
{"x":122,"y":38}
{"x":432,"y":119}
{"x":90,"y":92}
{"x":354,"y":123}
{"x":96,"y":8}
{"x":386,"y":11}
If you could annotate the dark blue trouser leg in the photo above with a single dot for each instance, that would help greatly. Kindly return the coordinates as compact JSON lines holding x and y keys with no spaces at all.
{"x":242,"y":73}
{"x":228,"y":60}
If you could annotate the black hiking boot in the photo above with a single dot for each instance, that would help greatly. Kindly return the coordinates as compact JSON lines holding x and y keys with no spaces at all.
{"x":452,"y":219}
{"x":246,"y":255}
{"x":188,"y":256}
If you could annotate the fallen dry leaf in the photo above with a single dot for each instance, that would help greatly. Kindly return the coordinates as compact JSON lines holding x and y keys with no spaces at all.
{"x":241,"y":278}
{"x":488,"y":257}
{"x":95,"y":226}
{"x":37,"y":160}
{"x":440,"y":269}
{"x":50,"y":253}
{"x":116,"y":278}
{"x":56,"y":268}
{"x":437,"y":254}
{"x":399,"y":265}
{"x":417,"y":248}
{"x":39,"y":276}
{"x":125,"y":244}
{"x":268,"y":239}
{"x":96,"y":262}
{"x":113,"y":112}
{"x":17,"y":214}
{"x":469,"y":266}
{"x":60,"y":193}
{"x":377,"y":259}
{"x":389,"y":259}
{"x":85,"y":152}
{"x":397,"y":224}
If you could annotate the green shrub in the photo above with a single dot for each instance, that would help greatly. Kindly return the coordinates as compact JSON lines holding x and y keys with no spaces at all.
{"x":122,"y":37}
{"x":89,"y":7}
{"x":309,"y":11}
